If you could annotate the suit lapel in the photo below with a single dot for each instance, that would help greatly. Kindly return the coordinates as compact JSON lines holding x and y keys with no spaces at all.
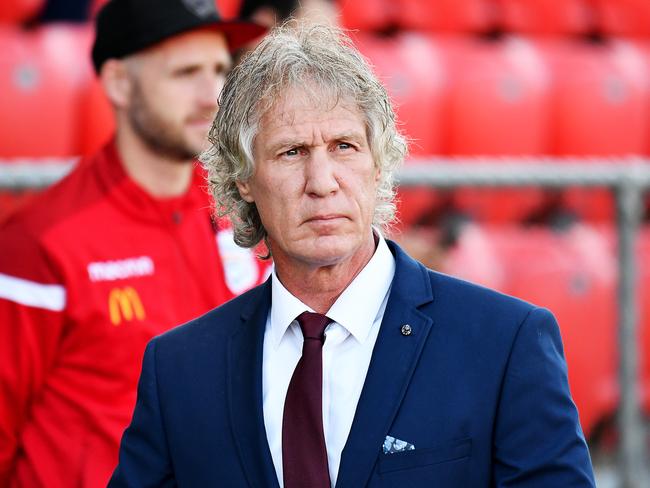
{"x":245,"y":391}
{"x":393,"y":362}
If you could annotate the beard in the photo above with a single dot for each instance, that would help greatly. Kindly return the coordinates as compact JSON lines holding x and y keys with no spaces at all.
{"x":162,"y":137}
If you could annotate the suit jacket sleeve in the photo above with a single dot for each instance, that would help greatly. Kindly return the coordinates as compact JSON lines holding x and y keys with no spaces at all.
{"x":538,"y":440}
{"x":144,"y":458}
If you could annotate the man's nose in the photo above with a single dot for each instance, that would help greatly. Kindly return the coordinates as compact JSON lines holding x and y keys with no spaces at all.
{"x":210,"y":86}
{"x":320,"y":174}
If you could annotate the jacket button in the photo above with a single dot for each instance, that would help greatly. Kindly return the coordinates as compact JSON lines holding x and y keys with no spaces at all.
{"x":406,"y":330}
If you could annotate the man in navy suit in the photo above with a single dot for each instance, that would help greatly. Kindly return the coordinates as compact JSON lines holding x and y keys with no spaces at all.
{"x":353,"y":365}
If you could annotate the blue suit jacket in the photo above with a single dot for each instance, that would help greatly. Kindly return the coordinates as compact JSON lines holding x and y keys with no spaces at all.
{"x":479,"y":387}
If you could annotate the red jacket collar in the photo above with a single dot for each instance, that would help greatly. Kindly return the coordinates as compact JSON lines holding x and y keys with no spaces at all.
{"x":135,"y":200}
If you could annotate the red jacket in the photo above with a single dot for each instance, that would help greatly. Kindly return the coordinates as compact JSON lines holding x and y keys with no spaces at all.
{"x":89,"y":272}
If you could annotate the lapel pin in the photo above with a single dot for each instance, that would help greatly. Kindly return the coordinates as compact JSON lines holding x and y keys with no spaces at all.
{"x":406,"y":330}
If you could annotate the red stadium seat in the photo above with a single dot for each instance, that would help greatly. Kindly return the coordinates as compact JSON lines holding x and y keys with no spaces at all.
{"x":475,"y":257}
{"x":36,"y":99}
{"x":421,"y":206}
{"x":602,"y":103}
{"x":624,"y":17}
{"x":499,"y":105}
{"x":368,"y":15}
{"x":411,"y":68}
{"x":42,"y":73}
{"x":574,"y":275}
{"x":499,"y":205}
{"x":547,"y":16}
{"x":445,"y":15}
{"x":430,"y":15}
{"x":18,"y":11}
{"x":602,"y":98}
{"x":590,"y":204}
{"x":499,"y":102}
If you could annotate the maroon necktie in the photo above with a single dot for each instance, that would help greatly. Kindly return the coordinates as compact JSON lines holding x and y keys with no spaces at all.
{"x":304,"y":455}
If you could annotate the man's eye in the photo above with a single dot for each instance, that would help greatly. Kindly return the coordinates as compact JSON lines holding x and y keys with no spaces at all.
{"x":292,"y":152}
{"x":187,"y":71}
{"x":345,"y":145}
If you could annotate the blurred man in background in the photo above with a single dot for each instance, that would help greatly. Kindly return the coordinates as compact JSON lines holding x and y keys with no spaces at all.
{"x":119,"y":251}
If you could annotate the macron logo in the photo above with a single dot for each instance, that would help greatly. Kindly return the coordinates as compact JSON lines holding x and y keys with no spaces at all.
{"x":120,"y":269}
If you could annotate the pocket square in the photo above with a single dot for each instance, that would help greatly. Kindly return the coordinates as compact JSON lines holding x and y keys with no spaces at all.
{"x":392,"y":445}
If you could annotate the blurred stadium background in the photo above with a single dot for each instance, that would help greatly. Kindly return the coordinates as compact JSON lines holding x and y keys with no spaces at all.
{"x":523,"y":79}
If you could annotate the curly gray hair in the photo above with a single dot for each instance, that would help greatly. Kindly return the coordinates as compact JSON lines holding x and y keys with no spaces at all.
{"x":295,"y":55}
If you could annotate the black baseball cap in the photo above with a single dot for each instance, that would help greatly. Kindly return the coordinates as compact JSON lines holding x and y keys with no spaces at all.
{"x":125,"y":27}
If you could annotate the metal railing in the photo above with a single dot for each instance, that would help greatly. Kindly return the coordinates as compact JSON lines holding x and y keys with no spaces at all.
{"x":19,"y":174}
{"x":627,"y":178}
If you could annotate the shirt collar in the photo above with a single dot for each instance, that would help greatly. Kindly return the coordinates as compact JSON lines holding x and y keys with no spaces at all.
{"x":355,"y":309}
{"x":284,"y":309}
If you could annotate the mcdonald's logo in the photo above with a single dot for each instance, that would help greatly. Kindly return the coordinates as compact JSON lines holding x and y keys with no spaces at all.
{"x":125,"y":304}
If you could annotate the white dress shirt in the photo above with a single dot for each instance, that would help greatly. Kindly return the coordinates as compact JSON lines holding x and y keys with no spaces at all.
{"x":350,"y":339}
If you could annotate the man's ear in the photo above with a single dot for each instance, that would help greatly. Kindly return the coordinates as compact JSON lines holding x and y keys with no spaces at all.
{"x":245,"y":191}
{"x":117,"y":82}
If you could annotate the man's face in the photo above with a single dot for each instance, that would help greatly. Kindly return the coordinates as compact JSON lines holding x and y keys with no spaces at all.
{"x":174,"y":92}
{"x":315,"y":181}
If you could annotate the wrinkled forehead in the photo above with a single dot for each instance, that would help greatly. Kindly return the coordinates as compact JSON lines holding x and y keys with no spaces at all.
{"x":314,"y":96}
{"x":308,"y":98}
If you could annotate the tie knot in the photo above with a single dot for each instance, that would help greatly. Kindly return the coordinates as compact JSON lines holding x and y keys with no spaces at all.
{"x":313,"y":325}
